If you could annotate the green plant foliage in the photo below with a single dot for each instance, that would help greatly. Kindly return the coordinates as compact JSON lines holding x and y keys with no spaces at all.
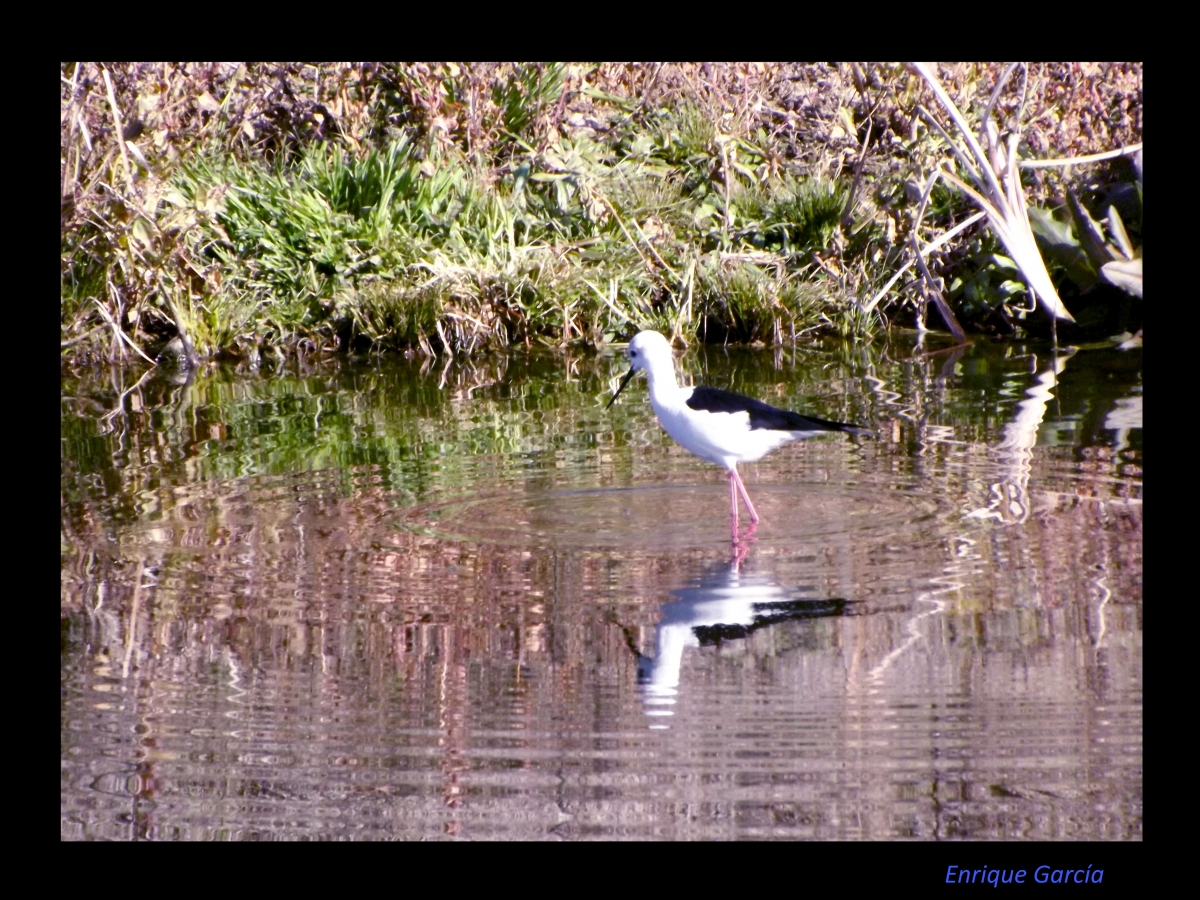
{"x":800,"y":217}
{"x":398,"y":251}
{"x":527,"y":91}
{"x":1088,"y":251}
{"x":993,"y":284}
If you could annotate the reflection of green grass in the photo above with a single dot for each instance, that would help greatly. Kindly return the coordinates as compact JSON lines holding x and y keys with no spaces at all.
{"x":398,"y":428}
{"x":404,"y":433}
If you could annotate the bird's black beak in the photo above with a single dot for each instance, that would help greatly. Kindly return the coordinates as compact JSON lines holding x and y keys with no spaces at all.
{"x":621,"y":387}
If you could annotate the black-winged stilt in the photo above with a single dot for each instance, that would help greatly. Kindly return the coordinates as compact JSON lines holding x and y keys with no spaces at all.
{"x":720,"y":426}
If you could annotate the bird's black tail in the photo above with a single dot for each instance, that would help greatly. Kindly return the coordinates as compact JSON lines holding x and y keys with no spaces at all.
{"x":797,"y":422}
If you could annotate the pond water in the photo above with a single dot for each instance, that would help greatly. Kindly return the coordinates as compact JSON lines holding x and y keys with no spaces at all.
{"x":461,"y":599}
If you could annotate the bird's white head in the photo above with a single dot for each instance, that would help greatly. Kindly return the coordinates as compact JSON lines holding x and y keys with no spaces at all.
{"x":651,"y":352}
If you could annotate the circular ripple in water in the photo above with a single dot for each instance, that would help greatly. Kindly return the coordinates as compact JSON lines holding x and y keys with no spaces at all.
{"x":670,"y":516}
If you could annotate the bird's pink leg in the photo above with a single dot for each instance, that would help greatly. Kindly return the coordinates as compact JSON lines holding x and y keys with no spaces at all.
{"x":736,"y":479}
{"x":733,"y":508}
{"x":740,"y":549}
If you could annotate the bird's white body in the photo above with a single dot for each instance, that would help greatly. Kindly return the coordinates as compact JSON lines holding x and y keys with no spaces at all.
{"x":715,"y":425}
{"x":724,"y":438}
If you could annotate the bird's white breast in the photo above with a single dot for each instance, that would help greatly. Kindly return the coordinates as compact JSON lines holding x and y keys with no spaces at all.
{"x":722,"y":438}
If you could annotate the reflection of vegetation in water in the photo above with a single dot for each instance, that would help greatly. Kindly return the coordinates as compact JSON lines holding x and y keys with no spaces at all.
{"x":412,"y":430}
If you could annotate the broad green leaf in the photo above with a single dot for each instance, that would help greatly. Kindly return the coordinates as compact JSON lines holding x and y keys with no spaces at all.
{"x":1060,"y":246}
{"x":1125,"y":274}
{"x":1116,"y":228}
{"x":1000,"y":261}
{"x":1090,"y":235}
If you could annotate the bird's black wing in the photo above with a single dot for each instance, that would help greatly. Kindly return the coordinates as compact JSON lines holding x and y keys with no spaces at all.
{"x":762,"y":415}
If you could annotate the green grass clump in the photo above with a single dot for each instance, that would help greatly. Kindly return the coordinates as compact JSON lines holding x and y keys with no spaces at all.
{"x":574,"y":243}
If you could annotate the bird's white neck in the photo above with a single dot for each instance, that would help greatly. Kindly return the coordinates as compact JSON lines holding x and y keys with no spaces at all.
{"x":664,"y":388}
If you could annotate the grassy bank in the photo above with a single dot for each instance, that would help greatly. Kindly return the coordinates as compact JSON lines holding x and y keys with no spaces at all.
{"x":263,"y":210}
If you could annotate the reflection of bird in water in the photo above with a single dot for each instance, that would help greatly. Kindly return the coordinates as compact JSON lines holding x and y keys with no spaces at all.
{"x":723,"y":606}
{"x":720,"y":426}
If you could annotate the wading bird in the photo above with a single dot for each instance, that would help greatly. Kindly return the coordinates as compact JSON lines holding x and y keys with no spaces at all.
{"x":720,"y":426}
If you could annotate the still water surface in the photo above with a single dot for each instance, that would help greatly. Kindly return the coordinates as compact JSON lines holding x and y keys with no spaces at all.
{"x":404,"y":600}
